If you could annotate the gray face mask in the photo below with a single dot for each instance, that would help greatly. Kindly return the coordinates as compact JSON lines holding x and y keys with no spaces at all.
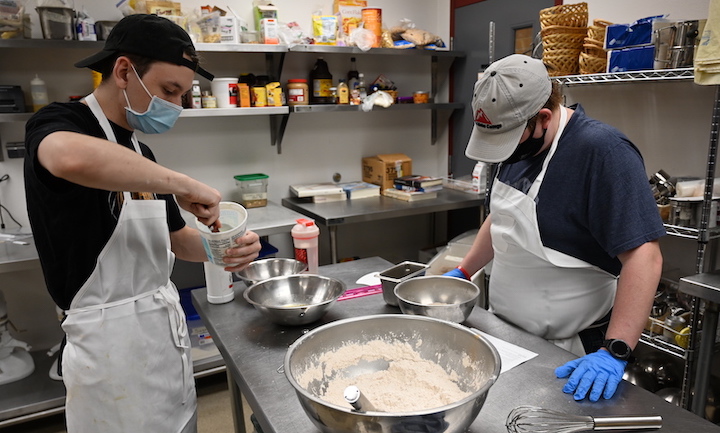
{"x":159,"y":117}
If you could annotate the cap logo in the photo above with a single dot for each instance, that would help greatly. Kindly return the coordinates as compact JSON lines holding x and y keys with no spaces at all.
{"x":483,"y":121}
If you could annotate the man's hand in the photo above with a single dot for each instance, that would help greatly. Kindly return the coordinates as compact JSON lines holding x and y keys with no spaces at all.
{"x":204,"y":203}
{"x":598,"y":370}
{"x":247,"y":249}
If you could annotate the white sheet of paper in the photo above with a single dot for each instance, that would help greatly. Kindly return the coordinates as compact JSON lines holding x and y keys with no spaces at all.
{"x":511,"y":355}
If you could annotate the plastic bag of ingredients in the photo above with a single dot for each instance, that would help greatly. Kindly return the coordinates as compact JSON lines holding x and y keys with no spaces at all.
{"x":131,"y":7}
{"x":325,"y":29}
{"x":362,"y":38}
{"x":292,"y":34}
{"x":11,"y":19}
{"x":380,"y":98}
{"x":85,"y":26}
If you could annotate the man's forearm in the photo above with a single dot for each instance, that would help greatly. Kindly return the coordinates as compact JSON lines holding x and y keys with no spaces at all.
{"x":639,"y":278}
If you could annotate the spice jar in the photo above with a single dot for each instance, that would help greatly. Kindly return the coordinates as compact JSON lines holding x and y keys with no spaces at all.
{"x":297,"y":92}
{"x":208,"y":100}
{"x":421,"y":97}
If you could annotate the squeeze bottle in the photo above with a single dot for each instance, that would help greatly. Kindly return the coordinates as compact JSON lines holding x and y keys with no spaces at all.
{"x":38,"y":91}
{"x":219,"y":283}
{"x":305,"y":239}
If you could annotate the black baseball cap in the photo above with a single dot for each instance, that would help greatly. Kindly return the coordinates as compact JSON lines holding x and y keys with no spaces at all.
{"x":150,"y":36}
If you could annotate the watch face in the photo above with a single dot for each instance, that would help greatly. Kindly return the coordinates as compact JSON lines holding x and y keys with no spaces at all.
{"x":619,"y":349}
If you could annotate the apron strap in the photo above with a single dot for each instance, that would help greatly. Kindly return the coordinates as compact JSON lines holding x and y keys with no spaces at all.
{"x":532,"y":193}
{"x":94,"y":105}
{"x":170,"y":298}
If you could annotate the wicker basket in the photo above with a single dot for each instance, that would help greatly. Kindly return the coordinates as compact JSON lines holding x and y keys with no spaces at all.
{"x":601,"y":23}
{"x":597,"y":30}
{"x":571,"y":15}
{"x":563,"y":30}
{"x":559,"y":65}
{"x":594,"y":50}
{"x":590,"y":64}
{"x":588,"y":41}
{"x":560,"y":52}
{"x":561,"y":37}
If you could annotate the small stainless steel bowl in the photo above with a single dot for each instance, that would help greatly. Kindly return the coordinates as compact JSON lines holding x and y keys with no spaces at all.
{"x":294,"y":299}
{"x":437,"y":296}
{"x":261,"y":270}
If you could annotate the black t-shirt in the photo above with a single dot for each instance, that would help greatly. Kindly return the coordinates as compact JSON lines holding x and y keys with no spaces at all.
{"x":71,"y":223}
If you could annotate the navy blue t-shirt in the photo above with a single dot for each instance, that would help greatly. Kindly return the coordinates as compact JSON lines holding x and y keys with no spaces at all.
{"x":595,"y":201}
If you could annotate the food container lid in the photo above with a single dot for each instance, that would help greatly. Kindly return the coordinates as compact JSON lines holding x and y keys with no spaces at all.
{"x":254,"y":176}
{"x":297,"y":80}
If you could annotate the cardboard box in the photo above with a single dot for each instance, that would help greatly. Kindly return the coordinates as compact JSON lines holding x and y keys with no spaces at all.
{"x":244,"y":95}
{"x":383,"y":169}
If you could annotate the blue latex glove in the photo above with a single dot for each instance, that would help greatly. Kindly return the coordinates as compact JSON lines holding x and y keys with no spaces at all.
{"x":598,"y":370}
{"x":457,"y":273}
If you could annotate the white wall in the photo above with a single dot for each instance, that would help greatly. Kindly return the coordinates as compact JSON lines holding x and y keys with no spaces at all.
{"x":627,"y":11}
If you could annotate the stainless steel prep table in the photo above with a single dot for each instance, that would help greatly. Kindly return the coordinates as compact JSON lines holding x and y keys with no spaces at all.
{"x":333,"y":214}
{"x":254,"y":350}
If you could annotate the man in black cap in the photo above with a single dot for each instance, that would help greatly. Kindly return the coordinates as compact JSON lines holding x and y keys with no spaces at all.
{"x":107,"y":228}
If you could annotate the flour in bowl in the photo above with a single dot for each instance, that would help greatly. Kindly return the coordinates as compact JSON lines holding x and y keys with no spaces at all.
{"x":409,"y":384}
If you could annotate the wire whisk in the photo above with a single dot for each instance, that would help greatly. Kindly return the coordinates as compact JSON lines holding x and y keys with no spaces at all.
{"x":531,"y":419}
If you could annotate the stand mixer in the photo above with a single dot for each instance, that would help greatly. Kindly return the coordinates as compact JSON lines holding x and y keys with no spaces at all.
{"x":15,"y":360}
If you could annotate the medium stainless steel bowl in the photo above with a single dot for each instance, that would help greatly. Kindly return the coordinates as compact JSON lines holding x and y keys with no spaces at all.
{"x":261,"y":270}
{"x":446,"y":298}
{"x":294,"y":299}
{"x":458,"y":350}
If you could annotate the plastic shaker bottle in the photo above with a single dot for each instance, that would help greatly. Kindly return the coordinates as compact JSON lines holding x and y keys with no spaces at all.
{"x":305,"y":239}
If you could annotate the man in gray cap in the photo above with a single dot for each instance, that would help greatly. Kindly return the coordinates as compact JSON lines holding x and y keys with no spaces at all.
{"x":573,"y":227}
{"x":107,"y":227}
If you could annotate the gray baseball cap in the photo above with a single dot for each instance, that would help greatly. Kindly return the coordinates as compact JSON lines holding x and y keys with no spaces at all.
{"x":510,"y":92}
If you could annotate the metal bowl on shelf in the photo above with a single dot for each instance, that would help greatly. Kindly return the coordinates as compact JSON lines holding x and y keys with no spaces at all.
{"x":468,"y":358}
{"x":437,"y":296}
{"x":261,"y":270}
{"x":294,"y":299}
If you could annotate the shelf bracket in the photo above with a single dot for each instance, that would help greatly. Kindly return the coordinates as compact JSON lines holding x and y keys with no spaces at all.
{"x":278,"y":123}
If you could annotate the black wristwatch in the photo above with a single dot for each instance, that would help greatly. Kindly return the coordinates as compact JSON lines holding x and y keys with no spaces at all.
{"x":619,"y":350}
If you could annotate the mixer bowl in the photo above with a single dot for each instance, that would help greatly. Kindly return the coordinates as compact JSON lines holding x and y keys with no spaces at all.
{"x":467,"y":356}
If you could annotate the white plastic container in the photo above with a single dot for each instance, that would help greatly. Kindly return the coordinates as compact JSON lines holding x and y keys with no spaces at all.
{"x":233,"y":219}
{"x":221,"y":91}
{"x":305,"y":240}
{"x":219,"y":284}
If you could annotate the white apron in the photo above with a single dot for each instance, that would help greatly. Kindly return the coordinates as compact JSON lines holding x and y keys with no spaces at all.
{"x":126,"y":364}
{"x":546,"y":292}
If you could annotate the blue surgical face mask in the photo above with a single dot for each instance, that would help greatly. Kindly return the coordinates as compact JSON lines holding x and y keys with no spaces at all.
{"x":159,"y":117}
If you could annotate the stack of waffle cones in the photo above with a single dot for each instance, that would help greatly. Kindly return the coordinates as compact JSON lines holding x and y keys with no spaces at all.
{"x":563,"y":30}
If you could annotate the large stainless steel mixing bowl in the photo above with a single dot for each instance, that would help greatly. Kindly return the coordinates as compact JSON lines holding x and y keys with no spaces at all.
{"x":458,"y":350}
{"x":446,"y":298}
{"x":261,"y":270}
{"x":294,"y":299}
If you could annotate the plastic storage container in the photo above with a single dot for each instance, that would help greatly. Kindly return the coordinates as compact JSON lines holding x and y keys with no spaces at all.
{"x":253,"y":189}
{"x":56,"y":22}
{"x":305,"y":240}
